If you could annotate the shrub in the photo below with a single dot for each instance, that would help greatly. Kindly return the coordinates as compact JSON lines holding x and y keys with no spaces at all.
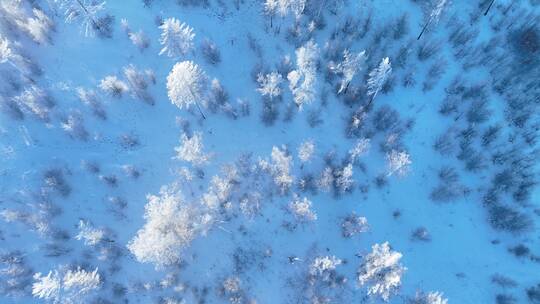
{"x":505,"y":299}
{"x":507,"y":219}
{"x":210,"y":52}
{"x":533,"y":293}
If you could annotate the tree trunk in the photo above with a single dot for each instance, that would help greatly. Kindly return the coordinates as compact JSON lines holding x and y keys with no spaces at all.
{"x":424,"y":29}
{"x":200,"y":110}
{"x":489,"y":7}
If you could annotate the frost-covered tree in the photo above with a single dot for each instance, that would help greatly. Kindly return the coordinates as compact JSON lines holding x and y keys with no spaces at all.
{"x":297,"y":7}
{"x":348,"y":68}
{"x":73,"y":124}
{"x":191,"y":149}
{"x":171,"y":225}
{"x":398,"y":163}
{"x":139,"y":39}
{"x":90,"y":98}
{"x":80,"y":281}
{"x":381,"y":271}
{"x":15,"y":274}
{"x":360,"y":148}
{"x":271,"y":8}
{"x":113,"y":86}
{"x":39,"y":26}
{"x":344,"y":179}
{"x":270,"y":84}
{"x":186,"y":84}
{"x":176,"y":38}
{"x":36,"y":101}
{"x":90,"y":235}
{"x":435,"y":15}
{"x":326,"y":179}
{"x":85,"y":12}
{"x":138,"y":82}
{"x":432,"y":297}
{"x":322,"y":266}
{"x":70,"y":287}
{"x":6,"y":52}
{"x":9,"y":55}
{"x":302,"y":81}
{"x":306,"y":150}
{"x":47,"y":287}
{"x":280,"y":168}
{"x":30,"y":20}
{"x":353,"y":224}
{"x":378,"y":76}
{"x":301,"y":209}
{"x":284,"y":8}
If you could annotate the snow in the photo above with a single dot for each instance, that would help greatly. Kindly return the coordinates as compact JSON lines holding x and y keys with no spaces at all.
{"x":101,"y":203}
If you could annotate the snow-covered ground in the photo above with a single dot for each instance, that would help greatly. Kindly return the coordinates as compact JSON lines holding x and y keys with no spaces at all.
{"x":287,"y":151}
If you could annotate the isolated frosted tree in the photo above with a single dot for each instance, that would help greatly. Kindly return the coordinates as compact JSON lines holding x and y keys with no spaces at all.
{"x":344,"y":178}
{"x":15,"y":274}
{"x":381,"y":271}
{"x":186,"y":84}
{"x":9,"y":56}
{"x":171,"y":225}
{"x":433,"y":297}
{"x":6,"y":52}
{"x":305,"y":151}
{"x":280,"y":168}
{"x":85,"y":12}
{"x":353,"y":224}
{"x":191,"y":149}
{"x":377,"y":77}
{"x":36,"y":101}
{"x":90,"y":235}
{"x":301,"y":209}
{"x":47,"y":287}
{"x":73,"y":124}
{"x":323,"y":266}
{"x":302,"y":81}
{"x":32,"y":21}
{"x":398,"y":163}
{"x":138,"y":82}
{"x":326,"y":179}
{"x":90,"y":98}
{"x":270,"y":84}
{"x":113,"y":86}
{"x":80,"y":282}
{"x":176,"y":38}
{"x":69,"y":287}
{"x":38,"y":26}
{"x":139,"y":39}
{"x":348,"y":68}
{"x":435,"y":15}
{"x":360,"y":148}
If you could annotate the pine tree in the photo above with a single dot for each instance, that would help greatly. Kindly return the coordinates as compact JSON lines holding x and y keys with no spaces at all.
{"x":348,"y":68}
{"x":176,"y":38}
{"x":381,"y":270}
{"x":302,"y":81}
{"x":66,"y":287}
{"x":435,"y":15}
{"x":270,"y":84}
{"x":377,"y":78}
{"x":191,"y":149}
{"x":186,"y":84}
{"x":398,"y":162}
